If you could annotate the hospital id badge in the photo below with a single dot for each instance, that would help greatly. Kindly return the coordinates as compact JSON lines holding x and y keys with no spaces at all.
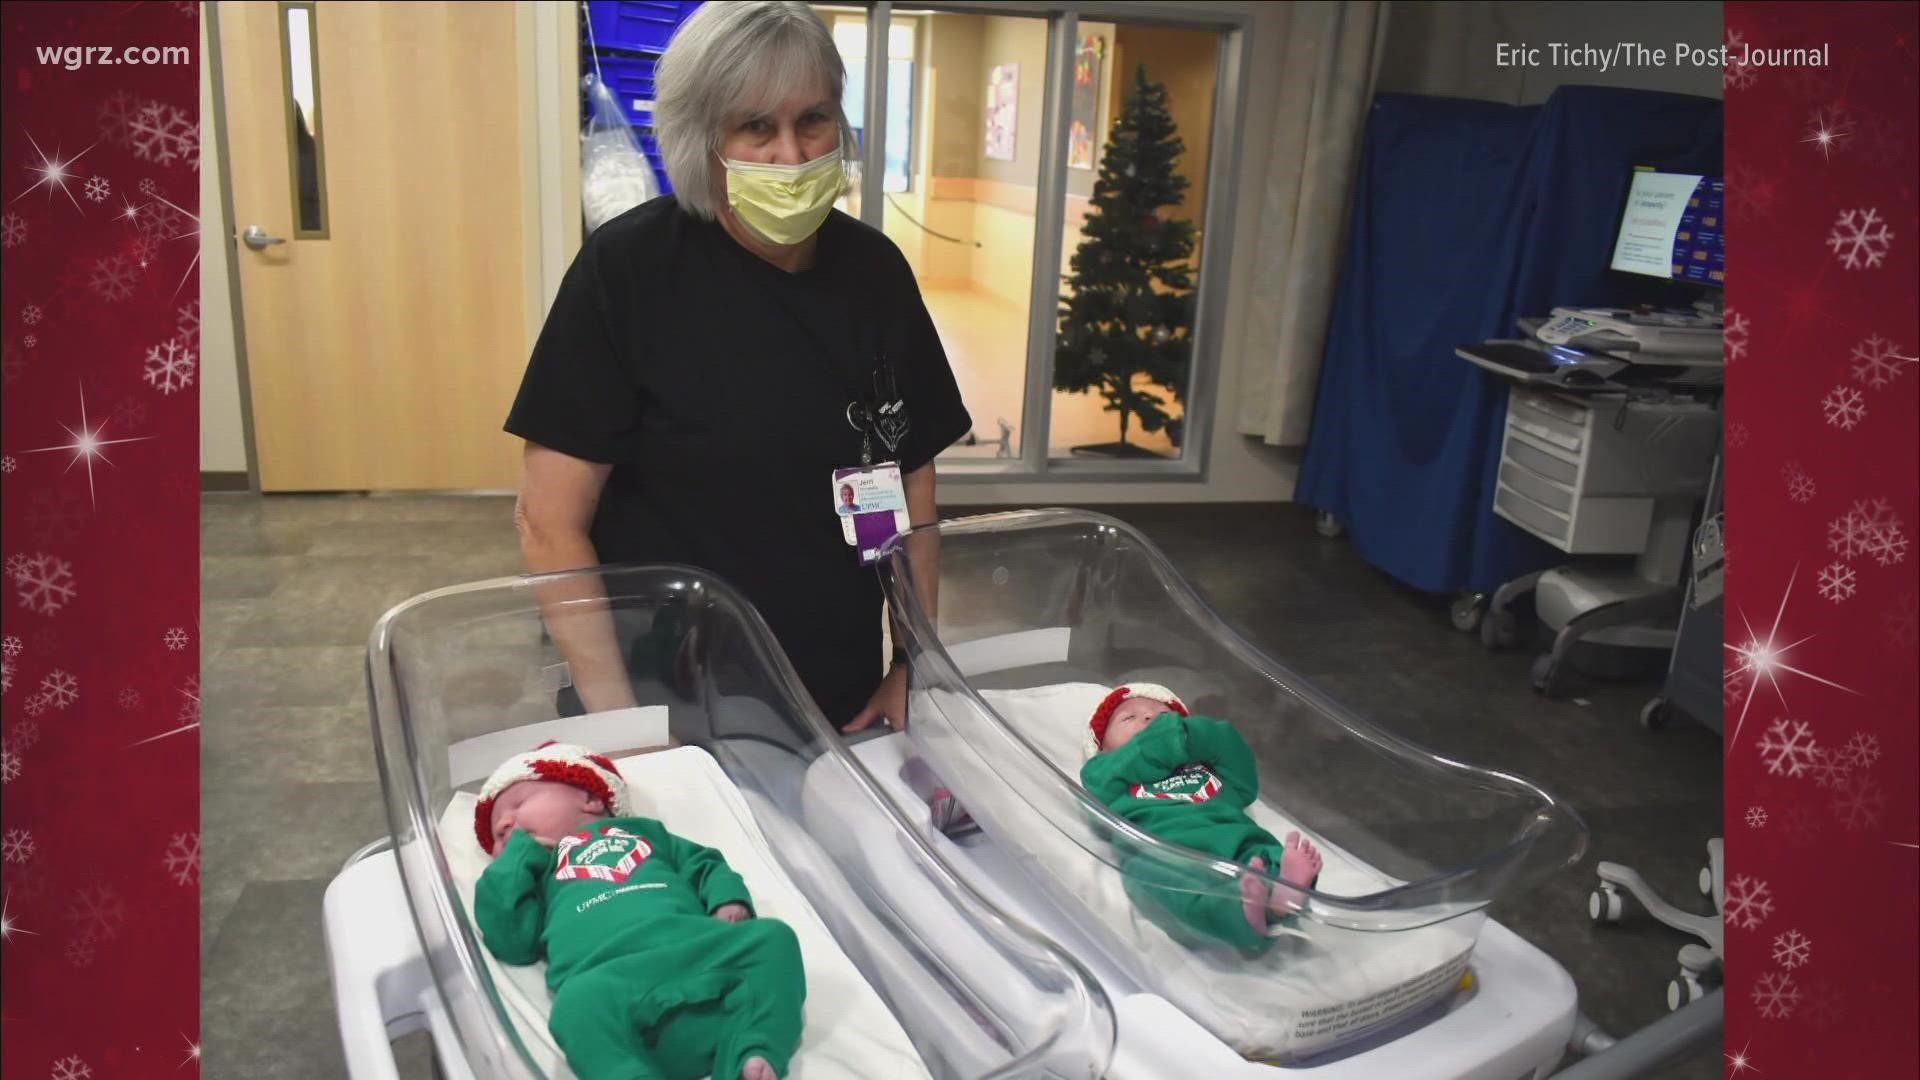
{"x":872,"y":504}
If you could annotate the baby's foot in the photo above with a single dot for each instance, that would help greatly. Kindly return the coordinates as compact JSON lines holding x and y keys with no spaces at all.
{"x":757,"y":1068}
{"x":1299,"y":865}
{"x":1253,"y":895}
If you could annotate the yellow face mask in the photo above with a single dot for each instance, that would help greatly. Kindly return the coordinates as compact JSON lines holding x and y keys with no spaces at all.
{"x":784,"y":204}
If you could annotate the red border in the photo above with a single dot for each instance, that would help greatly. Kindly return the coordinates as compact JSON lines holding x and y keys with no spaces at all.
{"x":99,"y":310}
{"x":1821,"y":526}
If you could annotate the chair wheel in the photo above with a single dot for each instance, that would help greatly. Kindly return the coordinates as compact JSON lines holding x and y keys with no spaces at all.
{"x":1498,"y":629}
{"x":1683,"y":990}
{"x":1706,"y":881}
{"x":1467,"y":611}
{"x":1655,"y":714}
{"x":1605,"y":905}
{"x":1549,"y":679}
{"x":1327,"y":525}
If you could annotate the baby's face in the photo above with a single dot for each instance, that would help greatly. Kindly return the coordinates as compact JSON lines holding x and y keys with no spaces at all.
{"x":1129,"y":719}
{"x":546,"y":809}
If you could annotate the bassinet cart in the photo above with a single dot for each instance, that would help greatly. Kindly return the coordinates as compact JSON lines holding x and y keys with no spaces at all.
{"x":462,"y":678}
{"x":1015,"y":625}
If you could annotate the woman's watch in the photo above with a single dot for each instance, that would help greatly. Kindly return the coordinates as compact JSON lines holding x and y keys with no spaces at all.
{"x":899,"y":656}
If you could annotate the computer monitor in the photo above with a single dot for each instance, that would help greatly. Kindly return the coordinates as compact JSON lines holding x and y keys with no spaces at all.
{"x":1674,"y":229}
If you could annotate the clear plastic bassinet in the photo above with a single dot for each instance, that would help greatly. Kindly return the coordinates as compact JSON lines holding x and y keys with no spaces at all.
{"x":464,"y":677}
{"x":1038,"y":614}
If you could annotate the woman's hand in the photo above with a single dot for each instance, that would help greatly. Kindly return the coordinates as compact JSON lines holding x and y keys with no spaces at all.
{"x":734,"y":912}
{"x":888,"y":703}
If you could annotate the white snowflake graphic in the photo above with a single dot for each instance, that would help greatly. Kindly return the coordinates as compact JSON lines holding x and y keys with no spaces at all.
{"x":160,"y":221}
{"x":1734,"y":334}
{"x":31,"y":315}
{"x":170,"y":366}
{"x":30,"y":340}
{"x":1837,"y":582}
{"x":71,"y":1068}
{"x":1887,"y":544}
{"x":25,"y":734}
{"x":17,"y":564}
{"x":1858,"y":802}
{"x":79,"y":954}
{"x":1860,"y":238}
{"x":98,"y":189}
{"x":1737,"y":74}
{"x":112,"y":278}
{"x":1787,"y":748}
{"x":163,"y":133}
{"x":1852,"y":534}
{"x":1737,"y":435}
{"x":187,"y":325}
{"x":45,"y":583}
{"x":1800,"y":486}
{"x":1776,"y":995}
{"x":1792,"y":949}
{"x":183,"y":857}
{"x":130,"y":414}
{"x":148,"y":187}
{"x":13,"y":230}
{"x":9,"y":765}
{"x":1902,"y":620}
{"x":16,"y":846}
{"x":57,"y":517}
{"x":8,"y":465}
{"x":1829,"y":768}
{"x":61,"y":689}
{"x":1749,"y":902}
{"x":116,"y":117}
{"x":175,"y":639}
{"x":36,"y":704}
{"x":1824,"y":1005}
{"x":97,"y":912}
{"x":1863,"y":750}
{"x":1756,"y":817}
{"x":1845,"y":407}
{"x":190,"y":701}
{"x":1876,"y":362}
{"x":129,"y":698}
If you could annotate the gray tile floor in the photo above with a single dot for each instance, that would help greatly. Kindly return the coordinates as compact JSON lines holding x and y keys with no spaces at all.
{"x":292,"y":586}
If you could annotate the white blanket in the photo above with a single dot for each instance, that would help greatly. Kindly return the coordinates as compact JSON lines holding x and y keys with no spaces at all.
{"x":848,"y":1033}
{"x":1310,"y":992}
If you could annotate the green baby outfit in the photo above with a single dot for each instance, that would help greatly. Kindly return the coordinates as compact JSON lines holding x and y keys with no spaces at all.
{"x":647,"y":984}
{"x":1187,"y":780}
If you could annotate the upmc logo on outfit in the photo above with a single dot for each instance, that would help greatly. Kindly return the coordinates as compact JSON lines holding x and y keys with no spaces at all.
{"x":1193,"y":783}
{"x":611,"y":856}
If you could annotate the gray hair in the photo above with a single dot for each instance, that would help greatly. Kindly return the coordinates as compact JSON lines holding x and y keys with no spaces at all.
{"x":730,"y":60}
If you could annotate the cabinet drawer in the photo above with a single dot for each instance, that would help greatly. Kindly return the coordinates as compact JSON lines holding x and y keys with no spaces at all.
{"x":1559,"y":470}
{"x":1530,"y":515}
{"x":1538,"y":488}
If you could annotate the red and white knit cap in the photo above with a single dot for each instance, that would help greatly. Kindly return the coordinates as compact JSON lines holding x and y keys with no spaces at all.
{"x":1097,"y":726}
{"x":561,"y":763}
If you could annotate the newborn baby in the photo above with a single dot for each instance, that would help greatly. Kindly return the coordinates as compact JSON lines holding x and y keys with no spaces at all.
{"x":657,"y":965}
{"x":1188,"y":780}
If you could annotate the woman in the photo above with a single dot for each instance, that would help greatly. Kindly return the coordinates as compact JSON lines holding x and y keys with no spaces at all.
{"x":714,"y":355}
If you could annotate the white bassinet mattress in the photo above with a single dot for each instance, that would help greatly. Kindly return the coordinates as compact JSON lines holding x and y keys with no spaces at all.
{"x":1311,"y":991}
{"x":848,"y":1033}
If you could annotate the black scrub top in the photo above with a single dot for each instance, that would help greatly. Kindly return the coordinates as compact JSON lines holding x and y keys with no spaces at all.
{"x":717,"y":385}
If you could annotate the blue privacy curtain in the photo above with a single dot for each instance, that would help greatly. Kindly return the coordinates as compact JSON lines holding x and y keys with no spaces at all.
{"x":1468,"y":214}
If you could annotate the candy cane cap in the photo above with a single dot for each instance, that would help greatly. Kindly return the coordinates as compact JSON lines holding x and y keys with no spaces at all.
{"x":561,"y":763}
{"x":1097,"y":725}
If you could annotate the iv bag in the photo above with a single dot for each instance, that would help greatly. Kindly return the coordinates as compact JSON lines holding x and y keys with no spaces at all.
{"x":614,"y":175}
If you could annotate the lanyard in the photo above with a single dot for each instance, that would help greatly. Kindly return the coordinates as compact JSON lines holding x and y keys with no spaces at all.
{"x":882,"y":414}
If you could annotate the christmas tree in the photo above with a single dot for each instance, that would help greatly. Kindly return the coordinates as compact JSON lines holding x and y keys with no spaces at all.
{"x":1129,"y":305}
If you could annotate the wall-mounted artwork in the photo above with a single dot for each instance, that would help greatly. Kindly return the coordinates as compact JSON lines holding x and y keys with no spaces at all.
{"x":1003,"y":106}
{"x":1083,"y":132}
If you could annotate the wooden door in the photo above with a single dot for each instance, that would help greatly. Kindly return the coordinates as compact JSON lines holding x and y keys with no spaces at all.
{"x":383,"y":355}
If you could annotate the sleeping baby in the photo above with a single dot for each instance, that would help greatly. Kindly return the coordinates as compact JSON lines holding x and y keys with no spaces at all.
{"x":657,"y":965}
{"x":1188,"y":780}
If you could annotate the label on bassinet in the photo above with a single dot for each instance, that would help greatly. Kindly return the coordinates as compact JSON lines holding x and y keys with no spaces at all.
{"x":1193,"y":783}
{"x":1330,"y":1022}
